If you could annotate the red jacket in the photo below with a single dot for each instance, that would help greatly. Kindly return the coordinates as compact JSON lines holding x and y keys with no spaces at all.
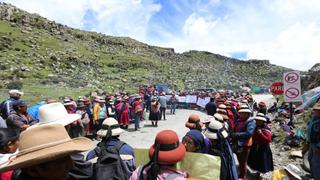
{"x":262,"y":136}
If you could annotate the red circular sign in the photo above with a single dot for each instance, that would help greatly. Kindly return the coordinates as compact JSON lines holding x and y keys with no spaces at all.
{"x":277,"y":88}
{"x":291,"y":78}
{"x":292,"y":93}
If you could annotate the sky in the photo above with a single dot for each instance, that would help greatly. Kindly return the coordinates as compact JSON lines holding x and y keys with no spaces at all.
{"x":286,"y":32}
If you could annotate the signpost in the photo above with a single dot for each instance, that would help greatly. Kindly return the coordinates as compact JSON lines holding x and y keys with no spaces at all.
{"x":292,"y":90}
{"x":277,"y":88}
{"x":292,"y":87}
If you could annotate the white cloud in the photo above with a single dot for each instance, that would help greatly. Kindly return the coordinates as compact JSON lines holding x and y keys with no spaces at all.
{"x":287,"y":32}
{"x":68,"y":12}
{"x":113,"y":17}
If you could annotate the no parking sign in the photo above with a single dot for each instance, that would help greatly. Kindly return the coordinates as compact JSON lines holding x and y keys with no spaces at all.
{"x":292,"y":86}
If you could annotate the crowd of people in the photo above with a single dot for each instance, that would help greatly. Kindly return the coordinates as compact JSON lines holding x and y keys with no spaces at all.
{"x":45,"y":141}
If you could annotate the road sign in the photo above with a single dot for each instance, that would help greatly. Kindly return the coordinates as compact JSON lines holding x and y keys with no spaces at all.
{"x":292,"y":87}
{"x":277,"y":88}
{"x":292,"y":77}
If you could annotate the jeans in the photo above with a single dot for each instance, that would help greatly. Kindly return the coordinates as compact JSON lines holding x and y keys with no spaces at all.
{"x":173,"y":109}
{"x":163,"y":113}
{"x":137,"y":120}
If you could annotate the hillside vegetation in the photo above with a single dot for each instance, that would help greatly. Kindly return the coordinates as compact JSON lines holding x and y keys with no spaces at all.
{"x":44,"y":54}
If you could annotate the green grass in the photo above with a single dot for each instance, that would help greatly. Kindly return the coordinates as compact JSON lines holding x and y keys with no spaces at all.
{"x":35,"y":93}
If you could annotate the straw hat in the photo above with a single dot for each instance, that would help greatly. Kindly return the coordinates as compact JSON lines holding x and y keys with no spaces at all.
{"x":260,"y":117}
{"x":293,"y":170}
{"x":222,"y":106}
{"x":113,"y":125}
{"x":67,"y":102}
{"x":218,"y":117}
{"x":56,"y":113}
{"x":244,"y":109}
{"x":99,"y":99}
{"x":52,"y":142}
{"x":207,"y":119}
{"x":214,"y":128}
{"x":169,"y":147}
{"x":14,"y":92}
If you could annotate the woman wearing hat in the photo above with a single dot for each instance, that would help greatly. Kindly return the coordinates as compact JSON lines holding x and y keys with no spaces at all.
{"x":154,"y":115}
{"x":84,"y":121}
{"x":242,"y":138}
{"x":99,"y":114}
{"x":220,"y":147}
{"x":123,"y":112}
{"x":194,"y":142}
{"x":260,"y":157}
{"x":164,"y":154}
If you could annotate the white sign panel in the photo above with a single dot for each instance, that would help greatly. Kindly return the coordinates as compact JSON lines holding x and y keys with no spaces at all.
{"x":191,"y":99}
{"x":292,"y":86}
{"x":181,"y":99}
{"x":203,"y":102}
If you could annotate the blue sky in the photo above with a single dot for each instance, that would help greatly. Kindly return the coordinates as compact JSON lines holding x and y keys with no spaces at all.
{"x":286,"y":32}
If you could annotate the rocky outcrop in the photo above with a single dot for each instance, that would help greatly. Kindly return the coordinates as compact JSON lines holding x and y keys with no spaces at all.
{"x":312,"y":78}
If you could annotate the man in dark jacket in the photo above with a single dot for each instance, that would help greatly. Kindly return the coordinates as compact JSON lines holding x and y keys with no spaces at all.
{"x":211,"y":107}
{"x":6,"y":106}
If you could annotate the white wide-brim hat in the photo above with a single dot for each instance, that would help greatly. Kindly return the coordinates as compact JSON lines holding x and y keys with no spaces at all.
{"x":110,"y":123}
{"x":56,"y":113}
{"x":293,"y":170}
{"x":208,"y":119}
{"x":214,"y":128}
{"x":245,"y":110}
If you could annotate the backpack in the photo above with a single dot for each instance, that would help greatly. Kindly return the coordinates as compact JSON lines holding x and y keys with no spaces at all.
{"x":109,"y":165}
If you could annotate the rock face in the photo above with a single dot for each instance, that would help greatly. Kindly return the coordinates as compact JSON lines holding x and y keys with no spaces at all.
{"x":44,"y":52}
{"x":312,"y":78}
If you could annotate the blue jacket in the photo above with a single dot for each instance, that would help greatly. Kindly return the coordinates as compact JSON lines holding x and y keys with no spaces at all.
{"x":313,"y":128}
{"x":246,"y":132}
{"x":33,"y":111}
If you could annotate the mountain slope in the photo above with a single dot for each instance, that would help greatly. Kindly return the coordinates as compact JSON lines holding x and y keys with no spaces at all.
{"x":37,"y":51}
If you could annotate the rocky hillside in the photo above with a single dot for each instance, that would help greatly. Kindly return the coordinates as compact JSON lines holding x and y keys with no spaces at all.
{"x":312,"y":78}
{"x":34,"y":50}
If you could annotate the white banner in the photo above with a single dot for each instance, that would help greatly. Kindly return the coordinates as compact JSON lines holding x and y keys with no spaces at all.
{"x":191,"y":99}
{"x":203,"y":102}
{"x":181,"y":99}
{"x":292,"y":86}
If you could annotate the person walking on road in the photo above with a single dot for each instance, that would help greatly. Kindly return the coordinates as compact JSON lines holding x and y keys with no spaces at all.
{"x":173,"y":104}
{"x":138,"y":112}
{"x":163,"y":105}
